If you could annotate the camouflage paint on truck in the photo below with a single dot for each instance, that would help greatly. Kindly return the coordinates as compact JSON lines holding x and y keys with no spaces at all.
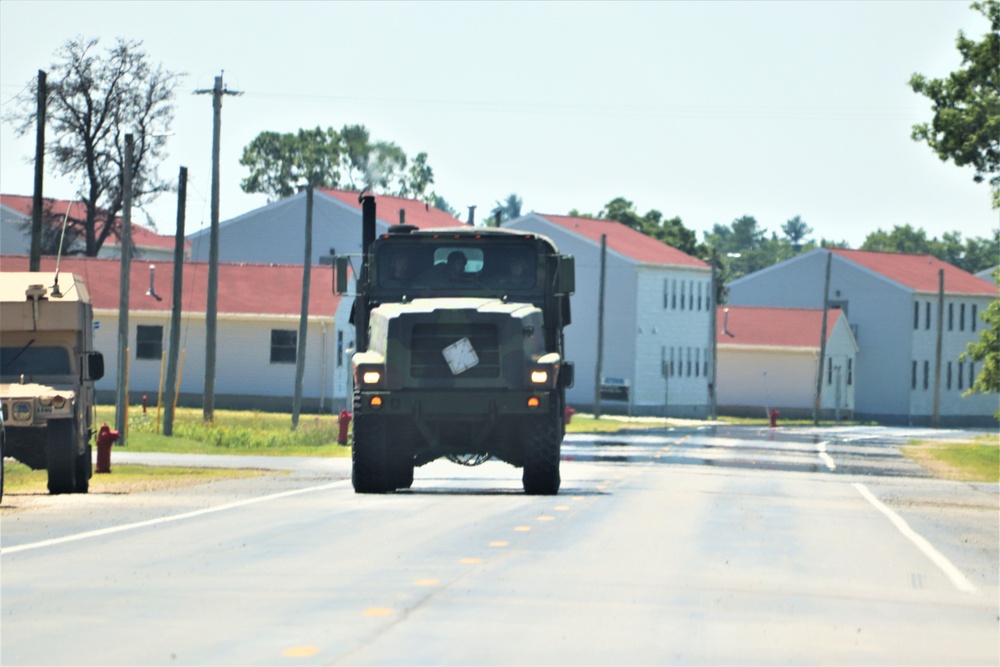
{"x":460,"y":355}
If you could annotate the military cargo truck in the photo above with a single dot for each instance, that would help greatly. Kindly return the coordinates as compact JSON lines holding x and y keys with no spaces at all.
{"x":47,"y":373}
{"x":460,"y":352}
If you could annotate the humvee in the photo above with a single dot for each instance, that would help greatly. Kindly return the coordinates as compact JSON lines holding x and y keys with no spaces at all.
{"x":460,"y":352}
{"x":47,"y":373}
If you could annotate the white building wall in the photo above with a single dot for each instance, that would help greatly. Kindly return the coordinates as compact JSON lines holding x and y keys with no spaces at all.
{"x":245,"y":377}
{"x":668,"y":325}
{"x":959,"y":329}
{"x":752,"y":381}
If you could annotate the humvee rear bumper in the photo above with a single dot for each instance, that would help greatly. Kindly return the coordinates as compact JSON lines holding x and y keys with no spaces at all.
{"x":455,"y":404}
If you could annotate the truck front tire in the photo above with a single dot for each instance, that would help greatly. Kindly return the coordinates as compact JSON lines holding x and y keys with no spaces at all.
{"x":542,"y":443}
{"x":60,"y":455}
{"x":369,"y":469}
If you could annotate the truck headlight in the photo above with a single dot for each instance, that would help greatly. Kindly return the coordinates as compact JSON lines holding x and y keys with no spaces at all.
{"x":543,"y":376}
{"x":370,"y":376}
{"x":21,"y":411}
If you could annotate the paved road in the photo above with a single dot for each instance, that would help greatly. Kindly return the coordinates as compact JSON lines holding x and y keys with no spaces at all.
{"x":692,"y":546}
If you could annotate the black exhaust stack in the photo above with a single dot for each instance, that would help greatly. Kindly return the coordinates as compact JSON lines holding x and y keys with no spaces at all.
{"x":361,"y":301}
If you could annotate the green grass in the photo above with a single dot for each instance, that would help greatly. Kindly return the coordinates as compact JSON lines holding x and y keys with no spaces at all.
{"x":125,"y":478}
{"x":232,"y":432}
{"x":975,"y":461}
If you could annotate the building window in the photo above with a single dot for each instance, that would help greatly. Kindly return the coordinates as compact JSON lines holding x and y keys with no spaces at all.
{"x":972,"y":318}
{"x":708,"y":295}
{"x":682,"y":295}
{"x":951,"y":316}
{"x":666,"y":294}
{"x":148,"y":342}
{"x":927,"y":374}
{"x":916,"y":315}
{"x":961,"y":317}
{"x":691,"y":295}
{"x":699,"y":296}
{"x":340,"y":349}
{"x":972,"y":373}
{"x":927,"y":316}
{"x":673,"y":295}
{"x":947,"y":377}
{"x":913,"y":376}
{"x":689,"y":362}
{"x":671,"y":362}
{"x":283,"y":346}
{"x":829,"y":370}
{"x":850,"y":371}
{"x":706,"y":363}
{"x":961,"y":382}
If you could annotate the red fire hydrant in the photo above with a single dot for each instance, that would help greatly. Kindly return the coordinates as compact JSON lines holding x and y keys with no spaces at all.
{"x":774,"y":418}
{"x":568,"y":415}
{"x":343,"y":422}
{"x":105,"y":439}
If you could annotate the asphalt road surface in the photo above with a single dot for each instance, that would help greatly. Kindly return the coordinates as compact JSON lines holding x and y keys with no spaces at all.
{"x":689,"y":546}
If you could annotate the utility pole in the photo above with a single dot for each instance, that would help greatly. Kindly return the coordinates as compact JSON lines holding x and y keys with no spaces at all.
{"x":175,"y":305}
{"x":936,"y":417}
{"x":600,"y":329}
{"x":35,"y":262}
{"x":121,"y":405}
{"x":300,"y":343}
{"x":713,"y":336}
{"x":822,"y":341}
{"x":212,"y":307}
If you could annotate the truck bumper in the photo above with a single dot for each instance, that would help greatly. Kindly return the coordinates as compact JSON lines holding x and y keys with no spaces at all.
{"x":462,"y":405}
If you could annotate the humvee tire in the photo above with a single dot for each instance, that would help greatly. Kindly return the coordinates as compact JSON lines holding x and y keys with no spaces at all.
{"x":60,"y":455}
{"x":541,"y":455}
{"x":84,"y":469}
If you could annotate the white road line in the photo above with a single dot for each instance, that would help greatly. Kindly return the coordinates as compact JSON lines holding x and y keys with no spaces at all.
{"x":827,"y":459}
{"x":167,"y":519}
{"x":946,"y":566}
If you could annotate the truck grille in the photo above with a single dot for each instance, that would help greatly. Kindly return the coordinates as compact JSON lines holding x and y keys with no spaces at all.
{"x":429,"y":341}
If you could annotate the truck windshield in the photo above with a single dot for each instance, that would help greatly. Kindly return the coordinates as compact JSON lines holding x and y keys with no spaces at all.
{"x":457,"y":266}
{"x":34,"y":361}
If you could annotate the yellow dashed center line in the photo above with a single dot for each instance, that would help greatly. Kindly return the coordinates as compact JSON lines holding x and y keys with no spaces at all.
{"x":499,"y":544}
{"x":577,"y":498}
{"x":426,"y":582}
{"x":562,"y":508}
{"x":522,"y":529}
{"x":300,"y":651}
{"x":470,"y":561}
{"x":377,"y":611}
{"x":546,"y":518}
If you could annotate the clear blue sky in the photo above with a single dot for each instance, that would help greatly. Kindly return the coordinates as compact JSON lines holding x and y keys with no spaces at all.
{"x":704,"y":110}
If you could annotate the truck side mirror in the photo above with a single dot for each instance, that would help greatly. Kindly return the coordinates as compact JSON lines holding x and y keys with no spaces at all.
{"x":340,"y":275}
{"x":566,"y":374}
{"x":95,"y":365}
{"x":565,"y":274}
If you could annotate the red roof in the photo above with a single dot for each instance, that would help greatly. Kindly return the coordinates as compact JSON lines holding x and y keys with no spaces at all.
{"x":773,"y":327}
{"x":918,"y":272}
{"x":417,"y":213}
{"x":626,"y":241}
{"x":244,"y":289}
{"x":142,"y":237}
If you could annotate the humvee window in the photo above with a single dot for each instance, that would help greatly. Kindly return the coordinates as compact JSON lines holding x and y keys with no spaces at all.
{"x":34,"y":361}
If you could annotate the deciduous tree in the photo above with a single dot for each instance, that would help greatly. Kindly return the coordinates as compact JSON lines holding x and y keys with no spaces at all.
{"x":94,"y":100}
{"x":966,"y":105}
